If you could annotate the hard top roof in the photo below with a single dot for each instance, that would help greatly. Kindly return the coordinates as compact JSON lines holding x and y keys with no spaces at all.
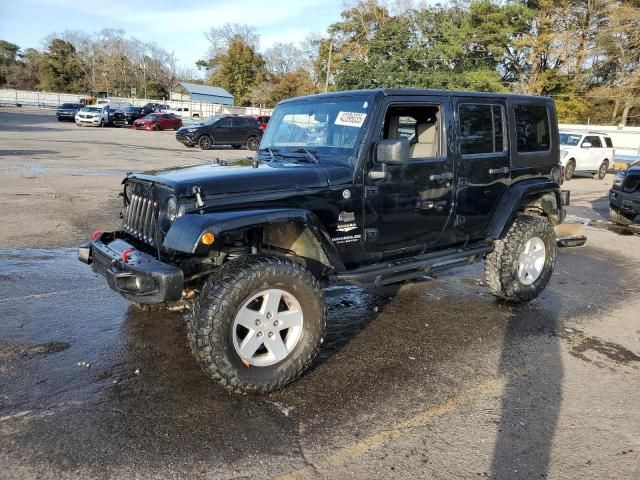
{"x":417,"y":92}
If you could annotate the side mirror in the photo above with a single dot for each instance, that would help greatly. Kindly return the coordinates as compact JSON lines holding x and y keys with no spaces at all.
{"x":586,"y":145}
{"x":393,"y":151}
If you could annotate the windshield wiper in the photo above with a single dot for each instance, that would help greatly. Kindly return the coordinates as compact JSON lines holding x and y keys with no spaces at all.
{"x":270,"y":150}
{"x":310,"y":153}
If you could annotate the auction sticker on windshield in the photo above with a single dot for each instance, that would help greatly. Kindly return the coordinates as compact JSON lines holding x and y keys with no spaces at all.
{"x":350,"y":119}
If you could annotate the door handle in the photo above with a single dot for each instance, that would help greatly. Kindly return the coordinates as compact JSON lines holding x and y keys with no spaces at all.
{"x":442,"y":176}
{"x":495,"y":171}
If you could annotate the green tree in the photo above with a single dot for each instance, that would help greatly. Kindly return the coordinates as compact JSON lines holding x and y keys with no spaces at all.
{"x":237,"y":69}
{"x":60,"y":67}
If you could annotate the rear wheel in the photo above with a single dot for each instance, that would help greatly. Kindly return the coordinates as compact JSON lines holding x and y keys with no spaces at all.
{"x":570,"y":169}
{"x":253,"y":143}
{"x":521,"y":264}
{"x":602,"y":171}
{"x":616,"y":216}
{"x":204,"y":142}
{"x":257,"y":324}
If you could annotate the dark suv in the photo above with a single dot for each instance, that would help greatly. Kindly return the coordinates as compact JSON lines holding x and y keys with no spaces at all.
{"x":371,"y":187}
{"x":234,"y":130}
{"x":624,"y":196}
{"x":127,"y":116}
{"x":67,"y":111}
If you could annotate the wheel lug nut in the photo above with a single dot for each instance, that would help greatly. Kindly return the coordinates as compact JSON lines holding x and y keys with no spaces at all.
{"x":270,"y":334}
{"x":269,"y":315}
{"x":275,"y":324}
{"x":259,"y":334}
{"x":258,"y":322}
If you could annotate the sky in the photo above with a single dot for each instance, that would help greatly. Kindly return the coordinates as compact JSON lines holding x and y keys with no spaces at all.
{"x":176,"y":25}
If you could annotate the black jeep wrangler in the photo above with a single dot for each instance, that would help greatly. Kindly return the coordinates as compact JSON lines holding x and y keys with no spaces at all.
{"x":370,"y":187}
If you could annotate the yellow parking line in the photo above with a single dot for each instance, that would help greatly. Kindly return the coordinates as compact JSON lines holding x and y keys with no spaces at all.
{"x":377,"y":439}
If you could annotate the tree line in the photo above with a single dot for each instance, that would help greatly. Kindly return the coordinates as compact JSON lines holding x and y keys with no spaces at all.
{"x":584,"y":53}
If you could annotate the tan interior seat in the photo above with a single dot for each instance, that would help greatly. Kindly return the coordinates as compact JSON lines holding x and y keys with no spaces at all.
{"x":427,"y":144}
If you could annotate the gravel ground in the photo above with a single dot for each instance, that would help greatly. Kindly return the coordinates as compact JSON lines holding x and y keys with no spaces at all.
{"x":430,"y":380}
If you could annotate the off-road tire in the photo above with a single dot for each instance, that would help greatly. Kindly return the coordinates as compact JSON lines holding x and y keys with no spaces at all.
{"x":570,"y":169}
{"x":602,"y":170}
{"x":214,"y":310}
{"x":501,"y":265}
{"x":252,"y":143}
{"x":619,"y":218}
{"x":204,"y":142}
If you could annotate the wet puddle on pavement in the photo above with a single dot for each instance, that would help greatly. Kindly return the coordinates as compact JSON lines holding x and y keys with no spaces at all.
{"x":100,"y":376}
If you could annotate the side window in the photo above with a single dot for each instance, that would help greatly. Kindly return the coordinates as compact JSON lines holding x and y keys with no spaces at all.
{"x":481,"y":129}
{"x":532,"y":128}
{"x":421,"y":125}
{"x":224,"y":123}
{"x":608,"y":142}
{"x":595,"y":141}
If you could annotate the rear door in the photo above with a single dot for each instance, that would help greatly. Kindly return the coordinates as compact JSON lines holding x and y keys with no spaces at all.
{"x":482,"y":163}
{"x":240,"y":129}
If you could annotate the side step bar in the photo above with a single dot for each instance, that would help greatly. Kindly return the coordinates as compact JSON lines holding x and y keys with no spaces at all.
{"x":399,"y":270}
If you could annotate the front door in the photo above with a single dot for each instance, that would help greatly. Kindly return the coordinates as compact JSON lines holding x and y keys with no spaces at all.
{"x":482,"y":162}
{"x":408,"y":206}
{"x":223,"y":132}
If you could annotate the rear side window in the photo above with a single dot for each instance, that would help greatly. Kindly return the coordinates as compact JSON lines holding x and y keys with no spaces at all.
{"x":608,"y":141}
{"x":532,"y":128}
{"x":481,"y":129}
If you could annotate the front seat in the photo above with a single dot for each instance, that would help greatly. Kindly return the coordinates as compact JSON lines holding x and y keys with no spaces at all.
{"x":427,"y":140}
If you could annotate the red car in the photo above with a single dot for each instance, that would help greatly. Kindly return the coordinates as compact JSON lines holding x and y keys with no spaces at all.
{"x":263,"y":120}
{"x":158,"y":121}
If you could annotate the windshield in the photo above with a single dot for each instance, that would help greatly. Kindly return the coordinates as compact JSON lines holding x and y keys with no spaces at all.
{"x":152,"y":116}
{"x":326,"y":126}
{"x":92,"y":110}
{"x":133,"y":110}
{"x":68,"y":105}
{"x":571,"y":139}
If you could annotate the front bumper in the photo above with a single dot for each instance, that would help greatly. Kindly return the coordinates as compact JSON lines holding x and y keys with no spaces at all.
{"x":66,"y":115}
{"x":185,"y":139}
{"x":627,"y":202}
{"x":142,"y":278}
{"x":88,"y":121}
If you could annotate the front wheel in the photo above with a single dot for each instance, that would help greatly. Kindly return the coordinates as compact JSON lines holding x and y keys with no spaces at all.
{"x":570,"y":169}
{"x":253,"y":143}
{"x":204,"y":142}
{"x":521,"y":264}
{"x":619,"y":218}
{"x":257,"y":324}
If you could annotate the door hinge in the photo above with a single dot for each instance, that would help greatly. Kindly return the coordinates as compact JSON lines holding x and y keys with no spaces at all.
{"x":460,"y":219}
{"x":463,"y":181}
{"x":370,"y":234}
{"x":371,"y":190}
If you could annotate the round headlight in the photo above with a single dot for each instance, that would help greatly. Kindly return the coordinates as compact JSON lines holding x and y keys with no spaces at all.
{"x":172,"y":209}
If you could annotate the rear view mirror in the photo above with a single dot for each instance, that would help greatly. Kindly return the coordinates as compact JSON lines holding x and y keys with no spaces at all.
{"x":393,"y":151}
{"x":586,"y":145}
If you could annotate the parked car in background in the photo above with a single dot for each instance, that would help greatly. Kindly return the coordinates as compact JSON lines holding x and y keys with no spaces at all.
{"x":93,"y":115}
{"x":113,"y":103}
{"x":234,"y":130}
{"x":126,"y":117}
{"x":180,"y":112}
{"x":624,"y":196}
{"x":152,"y":107}
{"x":590,"y":152}
{"x":263,"y":120}
{"x":67,"y":111}
{"x":158,"y":121}
{"x":111,"y":111}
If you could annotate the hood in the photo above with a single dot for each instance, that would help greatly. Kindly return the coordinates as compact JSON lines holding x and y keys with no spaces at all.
{"x":242,"y":177}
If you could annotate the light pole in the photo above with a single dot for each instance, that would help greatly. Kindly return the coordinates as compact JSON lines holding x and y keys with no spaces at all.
{"x":143,"y":66}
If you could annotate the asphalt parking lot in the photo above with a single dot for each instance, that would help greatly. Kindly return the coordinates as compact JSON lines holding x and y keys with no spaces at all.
{"x":425,"y":380}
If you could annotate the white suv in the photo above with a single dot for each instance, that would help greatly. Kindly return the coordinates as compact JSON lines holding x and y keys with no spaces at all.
{"x":96,"y":115}
{"x":589,"y":152}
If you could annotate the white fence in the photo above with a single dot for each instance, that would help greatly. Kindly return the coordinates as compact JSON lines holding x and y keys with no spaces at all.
{"x":53,"y":100}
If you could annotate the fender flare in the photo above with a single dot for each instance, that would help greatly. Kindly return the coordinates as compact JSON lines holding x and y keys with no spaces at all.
{"x":522,"y":193}
{"x":186,"y":231}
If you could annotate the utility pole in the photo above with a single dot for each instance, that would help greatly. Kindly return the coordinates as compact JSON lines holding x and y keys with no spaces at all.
{"x":326,"y":80}
{"x":144,"y":76}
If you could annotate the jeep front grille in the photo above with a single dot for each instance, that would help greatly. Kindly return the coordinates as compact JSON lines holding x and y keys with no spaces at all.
{"x":140,"y":218}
